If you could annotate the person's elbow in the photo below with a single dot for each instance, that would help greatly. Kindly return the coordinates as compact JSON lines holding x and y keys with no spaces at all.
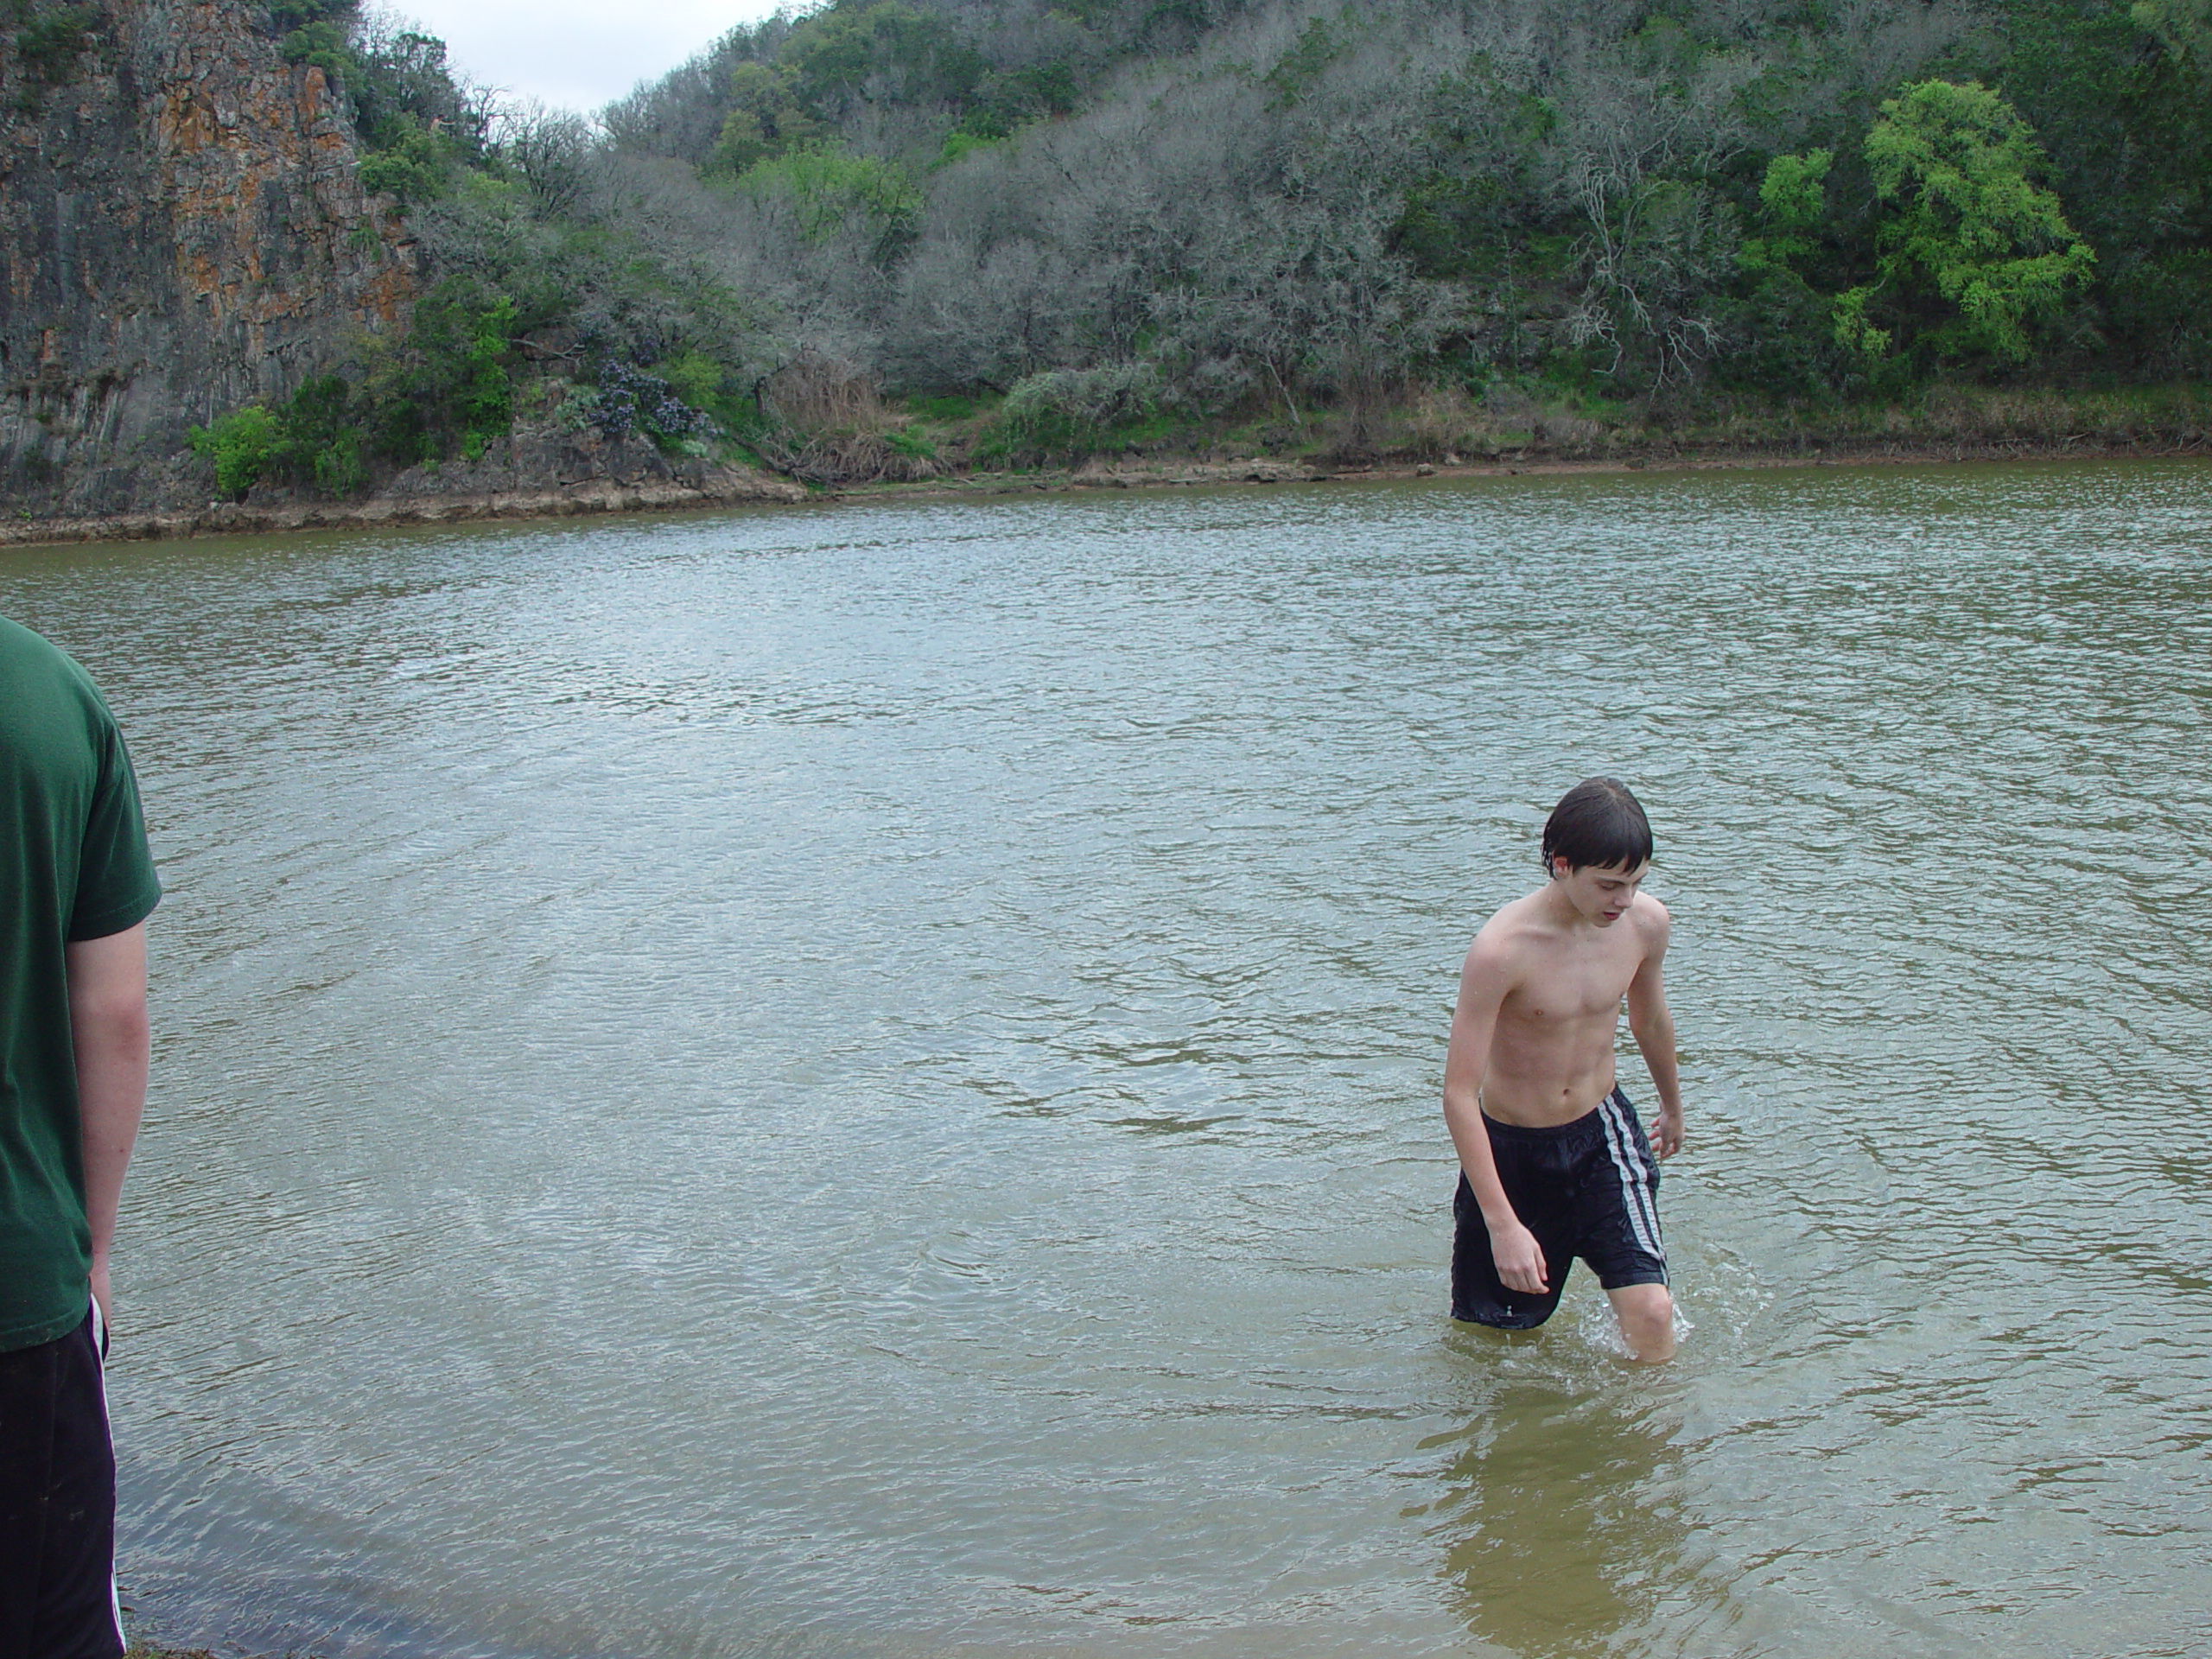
{"x":1460,"y":1094}
{"x":1653,"y":1033}
{"x":108,"y":1017}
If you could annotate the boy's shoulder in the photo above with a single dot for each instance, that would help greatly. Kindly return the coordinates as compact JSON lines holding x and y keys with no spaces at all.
{"x":1513,"y":930}
{"x":1651,"y":918}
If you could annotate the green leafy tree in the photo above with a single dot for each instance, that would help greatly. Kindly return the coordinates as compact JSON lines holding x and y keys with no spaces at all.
{"x":1318,"y":45}
{"x":1793,"y":200}
{"x":696,"y":377}
{"x":1474,"y":215}
{"x":848,"y":57}
{"x":400,"y":83}
{"x":245,"y":447}
{"x":2121,"y":113}
{"x":416,"y":166}
{"x":1784,"y":324}
{"x":765,"y":120}
{"x":320,"y":44}
{"x":297,"y":14}
{"x":467,"y":341}
{"x":311,"y":439}
{"x":853,"y":55}
{"x":830,"y":190}
{"x":1952,"y":163}
{"x":449,"y":384}
{"x":1002,"y":103}
{"x":322,"y":445}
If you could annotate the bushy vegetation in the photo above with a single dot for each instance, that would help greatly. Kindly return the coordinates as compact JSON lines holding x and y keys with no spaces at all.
{"x":447,"y":389}
{"x":417,"y":123}
{"x":47,"y":42}
{"x":311,"y":440}
{"x":1067,"y":414}
{"x":1094,"y":223}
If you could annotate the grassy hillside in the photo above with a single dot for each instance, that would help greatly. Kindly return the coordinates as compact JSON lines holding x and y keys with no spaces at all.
{"x":884,"y":237}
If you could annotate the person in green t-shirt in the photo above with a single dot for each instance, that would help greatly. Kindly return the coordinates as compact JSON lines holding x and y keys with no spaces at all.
{"x":76,"y":887}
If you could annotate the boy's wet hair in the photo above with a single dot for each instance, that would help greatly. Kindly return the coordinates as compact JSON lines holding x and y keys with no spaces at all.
{"x":1598,"y":823}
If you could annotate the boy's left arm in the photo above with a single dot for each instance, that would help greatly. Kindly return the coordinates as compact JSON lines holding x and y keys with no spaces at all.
{"x":1653,"y":1027}
{"x":108,"y":1027}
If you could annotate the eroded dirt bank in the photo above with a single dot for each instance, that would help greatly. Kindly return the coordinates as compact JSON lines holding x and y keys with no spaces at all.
{"x":732,"y":486}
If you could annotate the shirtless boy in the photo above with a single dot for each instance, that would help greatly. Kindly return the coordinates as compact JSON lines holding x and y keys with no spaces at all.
{"x":1553,"y":1162}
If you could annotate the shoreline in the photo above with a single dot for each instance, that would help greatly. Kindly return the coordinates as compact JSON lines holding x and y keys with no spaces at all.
{"x":611,"y":501}
{"x":1534,"y":462}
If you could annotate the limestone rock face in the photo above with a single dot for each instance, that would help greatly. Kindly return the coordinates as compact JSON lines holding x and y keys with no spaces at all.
{"x":182,"y":233}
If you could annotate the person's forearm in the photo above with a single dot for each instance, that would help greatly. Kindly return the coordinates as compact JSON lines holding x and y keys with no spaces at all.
{"x":111,"y":1098}
{"x":1466,"y":1061}
{"x":112,"y":1038}
{"x":1655,"y":1039}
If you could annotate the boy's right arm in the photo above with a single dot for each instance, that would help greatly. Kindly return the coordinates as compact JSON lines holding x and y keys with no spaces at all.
{"x":1483,"y":984}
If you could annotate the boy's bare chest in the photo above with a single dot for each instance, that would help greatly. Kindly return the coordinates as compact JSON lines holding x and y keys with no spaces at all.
{"x":1588,"y":985}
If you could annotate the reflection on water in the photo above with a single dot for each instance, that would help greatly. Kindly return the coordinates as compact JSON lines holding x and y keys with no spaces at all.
{"x":1555,"y":1527}
{"x":864,"y":1083}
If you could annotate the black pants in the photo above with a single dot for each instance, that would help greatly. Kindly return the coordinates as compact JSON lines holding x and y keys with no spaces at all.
{"x":57,"y":1503}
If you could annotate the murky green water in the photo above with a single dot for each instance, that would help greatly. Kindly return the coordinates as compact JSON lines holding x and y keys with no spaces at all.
{"x":863,"y":1082}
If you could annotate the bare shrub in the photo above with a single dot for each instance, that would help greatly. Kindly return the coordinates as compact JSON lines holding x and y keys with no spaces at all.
{"x":1438,"y":420}
{"x":1570,"y":432}
{"x":851,"y":458}
{"x":831,"y":425}
{"x":816,"y":392}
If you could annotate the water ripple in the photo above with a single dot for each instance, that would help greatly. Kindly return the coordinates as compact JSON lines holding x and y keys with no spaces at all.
{"x":799,"y":1083}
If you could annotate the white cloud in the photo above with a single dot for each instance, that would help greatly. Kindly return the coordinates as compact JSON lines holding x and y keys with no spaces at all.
{"x":575,"y":53}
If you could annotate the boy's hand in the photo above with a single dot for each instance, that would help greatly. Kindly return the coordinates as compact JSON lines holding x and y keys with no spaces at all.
{"x":1667,"y":1131}
{"x":1520,"y":1260}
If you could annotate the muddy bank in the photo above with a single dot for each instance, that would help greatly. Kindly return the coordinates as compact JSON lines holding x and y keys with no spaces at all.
{"x":540,"y":471}
{"x":723,"y":487}
{"x":1532,"y":461}
{"x":452,"y":500}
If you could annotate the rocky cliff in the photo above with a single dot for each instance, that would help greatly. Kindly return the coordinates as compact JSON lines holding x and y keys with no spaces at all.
{"x":181,"y":232}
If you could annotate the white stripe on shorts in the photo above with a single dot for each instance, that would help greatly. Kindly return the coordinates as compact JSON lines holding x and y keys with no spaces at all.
{"x":1643,"y":1214}
{"x":99,"y":1347}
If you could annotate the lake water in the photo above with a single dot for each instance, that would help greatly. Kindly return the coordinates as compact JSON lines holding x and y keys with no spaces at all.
{"x":864,"y":1081}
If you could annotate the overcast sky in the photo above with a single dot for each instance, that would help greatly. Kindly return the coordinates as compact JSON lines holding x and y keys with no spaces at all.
{"x":577,"y":53}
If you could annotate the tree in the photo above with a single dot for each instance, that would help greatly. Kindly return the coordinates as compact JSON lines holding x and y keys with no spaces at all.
{"x":549,"y":151}
{"x":831,"y":191}
{"x":2183,"y":27}
{"x":1634,"y":151}
{"x":765,"y":118}
{"x":1951,"y":162}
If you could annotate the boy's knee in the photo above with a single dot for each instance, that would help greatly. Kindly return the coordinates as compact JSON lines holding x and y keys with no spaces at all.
{"x":1647,"y":1318}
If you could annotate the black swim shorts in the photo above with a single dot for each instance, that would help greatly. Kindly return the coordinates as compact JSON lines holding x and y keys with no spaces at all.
{"x":1589,"y":1188}
{"x":57,"y":1501}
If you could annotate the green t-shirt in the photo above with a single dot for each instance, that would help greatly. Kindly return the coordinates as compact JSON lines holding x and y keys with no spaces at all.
{"x":74,"y":865}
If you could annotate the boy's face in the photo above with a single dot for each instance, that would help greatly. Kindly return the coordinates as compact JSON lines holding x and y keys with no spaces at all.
{"x":1602,"y":892}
